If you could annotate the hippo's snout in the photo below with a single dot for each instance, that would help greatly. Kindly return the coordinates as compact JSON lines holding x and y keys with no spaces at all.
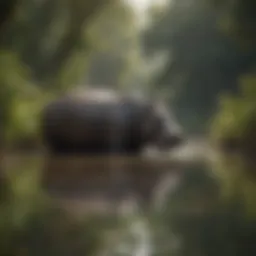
{"x":175,"y":140}
{"x":171,"y":141}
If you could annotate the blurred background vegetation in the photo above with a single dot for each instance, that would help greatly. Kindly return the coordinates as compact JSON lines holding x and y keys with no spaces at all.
{"x":199,"y":54}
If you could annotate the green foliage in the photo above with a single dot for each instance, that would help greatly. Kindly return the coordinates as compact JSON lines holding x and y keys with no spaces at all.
{"x":233,"y":131}
{"x":115,"y":58}
{"x":14,"y":86}
{"x":203,"y":62}
{"x":45,"y":34}
{"x":237,"y":19}
{"x":21,"y":101}
{"x":7,"y":9}
{"x":236,"y":118}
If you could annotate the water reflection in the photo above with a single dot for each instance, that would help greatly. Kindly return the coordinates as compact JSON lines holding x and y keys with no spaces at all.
{"x":160,"y":211}
{"x":202,"y":220}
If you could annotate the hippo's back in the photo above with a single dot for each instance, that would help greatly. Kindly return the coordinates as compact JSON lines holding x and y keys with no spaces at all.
{"x":91,"y":115}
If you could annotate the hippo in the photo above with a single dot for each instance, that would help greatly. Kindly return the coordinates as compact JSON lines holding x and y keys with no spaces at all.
{"x":104,"y":121}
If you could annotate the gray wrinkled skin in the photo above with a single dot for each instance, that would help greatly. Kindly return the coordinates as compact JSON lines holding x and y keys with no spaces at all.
{"x":102,"y":121}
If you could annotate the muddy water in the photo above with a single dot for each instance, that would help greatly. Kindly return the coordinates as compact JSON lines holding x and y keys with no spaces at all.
{"x":107,"y":183}
{"x":120,"y":186}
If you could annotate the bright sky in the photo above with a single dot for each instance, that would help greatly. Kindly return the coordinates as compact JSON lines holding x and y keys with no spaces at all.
{"x":141,"y":5}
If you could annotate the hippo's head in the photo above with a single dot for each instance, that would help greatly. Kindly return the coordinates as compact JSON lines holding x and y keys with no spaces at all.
{"x":164,"y":131}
